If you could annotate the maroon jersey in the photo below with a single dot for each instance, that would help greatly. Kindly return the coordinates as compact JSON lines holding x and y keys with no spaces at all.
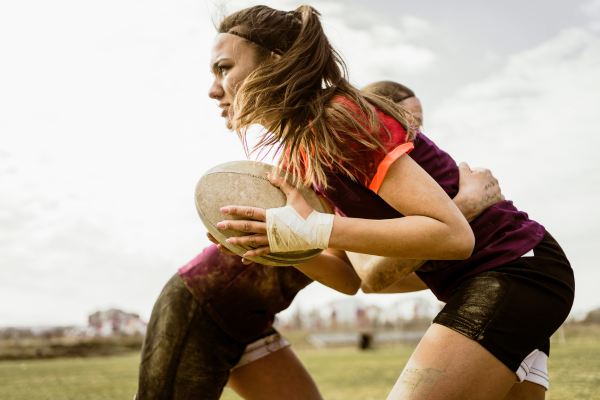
{"x":502,"y":233}
{"x":241,"y":299}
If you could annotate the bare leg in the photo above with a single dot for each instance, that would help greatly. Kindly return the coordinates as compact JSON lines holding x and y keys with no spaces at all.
{"x":526,"y":391}
{"x":279,"y":375}
{"x":447,"y":365}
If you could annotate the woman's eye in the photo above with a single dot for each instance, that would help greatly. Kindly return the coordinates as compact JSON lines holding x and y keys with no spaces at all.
{"x":222,"y":70}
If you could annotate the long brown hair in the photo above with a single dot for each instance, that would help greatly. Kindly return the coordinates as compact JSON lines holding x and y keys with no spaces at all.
{"x":291,"y":97}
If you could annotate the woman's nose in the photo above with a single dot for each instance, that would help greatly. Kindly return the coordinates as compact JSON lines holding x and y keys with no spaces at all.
{"x":215,"y":91}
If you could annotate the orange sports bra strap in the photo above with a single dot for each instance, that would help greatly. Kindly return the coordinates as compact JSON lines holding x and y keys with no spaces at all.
{"x":389,"y":159}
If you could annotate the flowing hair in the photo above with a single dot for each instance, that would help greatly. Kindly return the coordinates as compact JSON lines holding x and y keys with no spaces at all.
{"x":291,"y":97}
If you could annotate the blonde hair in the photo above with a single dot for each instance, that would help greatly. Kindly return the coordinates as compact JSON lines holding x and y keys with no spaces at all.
{"x":291,"y":97}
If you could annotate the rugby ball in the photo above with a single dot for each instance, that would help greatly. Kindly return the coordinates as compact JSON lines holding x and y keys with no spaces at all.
{"x":244,"y":183}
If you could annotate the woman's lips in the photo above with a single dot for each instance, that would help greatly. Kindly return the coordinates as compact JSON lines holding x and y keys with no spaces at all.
{"x":224,"y":112}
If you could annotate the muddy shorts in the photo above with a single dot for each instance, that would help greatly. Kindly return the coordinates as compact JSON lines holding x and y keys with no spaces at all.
{"x":186,"y":355}
{"x":513,"y":310}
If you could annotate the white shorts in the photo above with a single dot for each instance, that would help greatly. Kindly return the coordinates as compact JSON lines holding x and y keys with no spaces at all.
{"x":534,"y":368}
{"x":262,"y":347}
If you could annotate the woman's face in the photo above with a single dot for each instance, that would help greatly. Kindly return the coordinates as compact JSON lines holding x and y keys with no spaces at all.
{"x":413,"y":105}
{"x":231,"y":62}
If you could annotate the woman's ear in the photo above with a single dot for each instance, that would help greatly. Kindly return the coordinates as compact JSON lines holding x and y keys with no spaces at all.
{"x":274,"y":57}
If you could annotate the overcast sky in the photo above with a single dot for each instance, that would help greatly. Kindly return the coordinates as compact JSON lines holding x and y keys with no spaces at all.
{"x":105,"y":127}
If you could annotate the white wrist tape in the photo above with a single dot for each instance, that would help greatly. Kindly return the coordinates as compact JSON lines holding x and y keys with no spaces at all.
{"x":288,"y":231}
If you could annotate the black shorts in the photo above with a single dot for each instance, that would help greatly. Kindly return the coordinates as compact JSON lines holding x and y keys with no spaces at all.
{"x":513,"y":310}
{"x":185,"y":354}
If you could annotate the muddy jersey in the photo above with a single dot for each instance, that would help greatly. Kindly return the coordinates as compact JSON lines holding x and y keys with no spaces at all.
{"x":502,"y":232}
{"x":241,"y":299}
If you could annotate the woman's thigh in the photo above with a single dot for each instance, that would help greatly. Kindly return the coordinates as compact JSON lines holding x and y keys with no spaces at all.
{"x":447,"y":365}
{"x":526,"y":391}
{"x":278,"y":375}
{"x":492,"y":329}
{"x":185,"y":354}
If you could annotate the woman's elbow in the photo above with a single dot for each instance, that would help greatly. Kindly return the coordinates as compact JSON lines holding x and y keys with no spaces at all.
{"x":353,"y":291}
{"x":350,"y":290}
{"x":463,"y":244}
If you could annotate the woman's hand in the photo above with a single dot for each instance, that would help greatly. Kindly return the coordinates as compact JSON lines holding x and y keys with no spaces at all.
{"x":478,"y":190}
{"x":224,"y":249}
{"x":256,"y":219}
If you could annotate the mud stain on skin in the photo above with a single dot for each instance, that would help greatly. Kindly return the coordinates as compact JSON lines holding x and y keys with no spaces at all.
{"x":380,"y":272}
{"x":419,"y":380}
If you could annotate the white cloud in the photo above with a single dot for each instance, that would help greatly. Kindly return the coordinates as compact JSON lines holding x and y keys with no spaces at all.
{"x":591,"y":8}
{"x":105,"y":128}
{"x":535,"y":124}
{"x":378,"y":51}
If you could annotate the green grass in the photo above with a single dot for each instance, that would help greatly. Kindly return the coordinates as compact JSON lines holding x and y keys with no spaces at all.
{"x":70,"y":378}
{"x":575,"y":370}
{"x":340,"y":374}
{"x":351,"y":374}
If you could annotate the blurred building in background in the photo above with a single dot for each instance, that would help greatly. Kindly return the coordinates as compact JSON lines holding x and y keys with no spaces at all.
{"x":115,"y":322}
{"x":354,"y":315}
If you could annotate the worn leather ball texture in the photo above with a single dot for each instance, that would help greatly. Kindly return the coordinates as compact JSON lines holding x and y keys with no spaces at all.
{"x":244,"y":183}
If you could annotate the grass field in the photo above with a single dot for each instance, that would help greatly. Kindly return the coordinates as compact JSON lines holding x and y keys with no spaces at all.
{"x":340,"y":374}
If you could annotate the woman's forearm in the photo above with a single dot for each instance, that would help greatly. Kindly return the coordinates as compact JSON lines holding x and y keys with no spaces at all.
{"x":433,"y":227}
{"x":333,"y":271}
{"x":413,"y":237}
{"x":410,"y":283}
{"x":382,"y":274}
{"x":379,"y":273}
{"x":478,"y":190}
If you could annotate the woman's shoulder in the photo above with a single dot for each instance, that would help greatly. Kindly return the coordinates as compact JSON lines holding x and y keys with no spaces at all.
{"x":398,"y":134}
{"x":391,"y":138}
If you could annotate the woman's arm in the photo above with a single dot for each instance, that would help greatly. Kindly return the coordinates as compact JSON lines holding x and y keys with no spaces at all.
{"x":332,"y":269}
{"x":477,"y":191}
{"x":379,"y":273}
{"x":433,"y":227}
{"x":411,"y":283}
